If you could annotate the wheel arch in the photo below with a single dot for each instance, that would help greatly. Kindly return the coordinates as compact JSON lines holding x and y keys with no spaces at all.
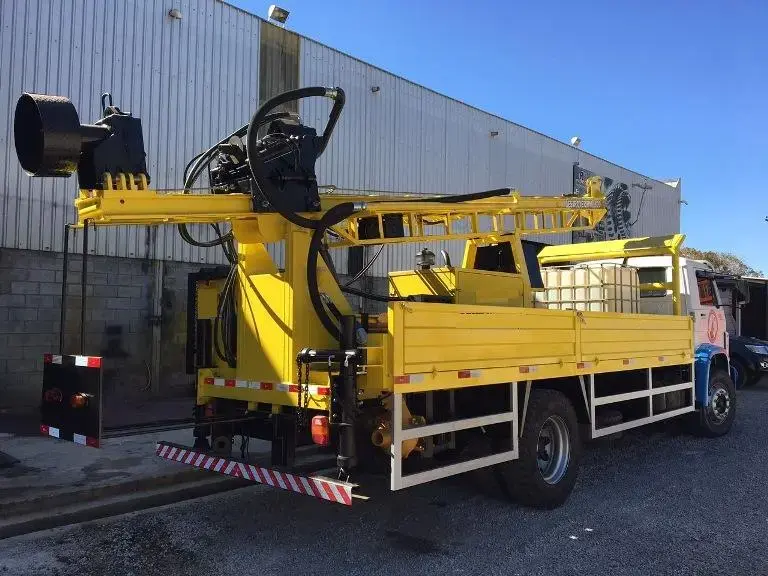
{"x":708,"y":358}
{"x":570,"y":387}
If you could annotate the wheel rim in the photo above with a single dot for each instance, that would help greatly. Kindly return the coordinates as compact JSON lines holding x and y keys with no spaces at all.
{"x":720,"y":404}
{"x":553,"y":450}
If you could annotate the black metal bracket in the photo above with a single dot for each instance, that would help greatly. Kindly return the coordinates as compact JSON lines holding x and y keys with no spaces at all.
{"x":83,"y":283}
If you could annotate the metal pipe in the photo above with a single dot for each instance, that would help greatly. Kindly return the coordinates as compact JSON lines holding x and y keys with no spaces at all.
{"x":63,"y":311}
{"x":347,"y":456}
{"x":83,"y":281}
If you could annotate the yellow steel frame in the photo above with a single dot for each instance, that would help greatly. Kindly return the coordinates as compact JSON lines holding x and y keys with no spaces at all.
{"x":495,"y":343}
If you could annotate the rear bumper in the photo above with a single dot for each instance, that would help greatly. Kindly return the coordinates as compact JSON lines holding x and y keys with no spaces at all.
{"x":316,"y":486}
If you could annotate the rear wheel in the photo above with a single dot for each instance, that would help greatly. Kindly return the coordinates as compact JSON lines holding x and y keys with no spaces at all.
{"x":550,"y":452}
{"x":716,"y":418}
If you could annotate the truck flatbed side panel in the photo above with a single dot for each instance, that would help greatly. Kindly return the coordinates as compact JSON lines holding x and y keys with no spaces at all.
{"x":607,"y":336}
{"x":438,"y":346}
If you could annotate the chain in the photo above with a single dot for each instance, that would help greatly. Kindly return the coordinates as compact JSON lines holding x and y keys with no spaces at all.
{"x":303,"y":400}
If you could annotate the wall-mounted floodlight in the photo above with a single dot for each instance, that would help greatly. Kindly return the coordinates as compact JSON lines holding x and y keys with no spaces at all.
{"x":575,"y":141}
{"x":278,"y":14}
{"x":175,"y":13}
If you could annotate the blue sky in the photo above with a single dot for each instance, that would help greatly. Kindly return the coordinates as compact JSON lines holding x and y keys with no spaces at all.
{"x":675,"y":88}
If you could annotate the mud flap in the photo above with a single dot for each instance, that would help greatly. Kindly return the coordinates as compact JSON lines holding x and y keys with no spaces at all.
{"x":70,"y":405}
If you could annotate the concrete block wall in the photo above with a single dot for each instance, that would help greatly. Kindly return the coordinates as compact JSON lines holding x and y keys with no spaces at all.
{"x":119,"y":321}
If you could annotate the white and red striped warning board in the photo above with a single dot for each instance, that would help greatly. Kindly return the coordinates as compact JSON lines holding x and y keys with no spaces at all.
{"x":316,"y":486}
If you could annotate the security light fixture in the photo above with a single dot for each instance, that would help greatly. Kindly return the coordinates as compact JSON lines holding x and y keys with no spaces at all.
{"x":575,"y":141}
{"x":175,"y":13}
{"x":278,"y":14}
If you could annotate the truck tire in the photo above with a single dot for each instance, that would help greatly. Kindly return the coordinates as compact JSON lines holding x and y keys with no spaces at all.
{"x":550,"y":453}
{"x":716,"y":418}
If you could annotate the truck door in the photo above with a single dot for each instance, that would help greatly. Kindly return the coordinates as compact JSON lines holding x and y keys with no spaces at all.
{"x":708,"y":315}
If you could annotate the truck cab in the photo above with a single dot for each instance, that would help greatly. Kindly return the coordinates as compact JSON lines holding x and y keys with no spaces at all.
{"x":698,"y":293}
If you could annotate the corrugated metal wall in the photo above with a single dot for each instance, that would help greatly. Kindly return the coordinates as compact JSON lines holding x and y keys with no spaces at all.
{"x":195,"y":79}
{"x":189,"y":80}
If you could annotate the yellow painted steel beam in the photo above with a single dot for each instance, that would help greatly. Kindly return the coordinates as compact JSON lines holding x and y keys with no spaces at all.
{"x":128,"y":200}
{"x":630,"y":248}
{"x":656,"y":286}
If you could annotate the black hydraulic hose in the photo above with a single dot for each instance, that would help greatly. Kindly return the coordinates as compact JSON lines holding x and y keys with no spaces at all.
{"x":457,"y":198}
{"x":333,"y":216}
{"x":257,"y":168}
{"x":195,"y":167}
{"x":338,"y":103}
{"x":365,"y":268}
{"x":375,"y":297}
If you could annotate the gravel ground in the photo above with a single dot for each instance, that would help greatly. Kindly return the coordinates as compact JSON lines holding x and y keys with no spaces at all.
{"x":651,"y":502}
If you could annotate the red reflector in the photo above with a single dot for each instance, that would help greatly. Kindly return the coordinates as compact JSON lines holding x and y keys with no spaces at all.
{"x":44,"y":429}
{"x":402,"y":379}
{"x":78,"y":401}
{"x":580,"y":365}
{"x":293,"y":388}
{"x":626,"y":362}
{"x":465,"y":374}
{"x":323,"y":391}
{"x":208,"y":381}
{"x":94,"y":362}
{"x":524,"y":369}
{"x":47,"y":358}
{"x":92,"y":442}
{"x":229,"y":383}
{"x":266,"y":386}
{"x":321,"y":434}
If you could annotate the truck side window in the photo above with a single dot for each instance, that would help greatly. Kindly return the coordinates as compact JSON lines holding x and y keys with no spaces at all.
{"x":706,"y":292}
{"x":651,"y":275}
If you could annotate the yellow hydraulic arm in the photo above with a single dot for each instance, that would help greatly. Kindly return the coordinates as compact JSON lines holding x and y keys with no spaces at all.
{"x":130,"y":201}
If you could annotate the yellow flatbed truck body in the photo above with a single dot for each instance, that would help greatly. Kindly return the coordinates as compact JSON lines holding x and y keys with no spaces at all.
{"x":436,"y":347}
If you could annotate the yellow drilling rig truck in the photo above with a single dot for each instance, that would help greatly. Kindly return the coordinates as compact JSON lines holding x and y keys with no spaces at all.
{"x":473,"y":365}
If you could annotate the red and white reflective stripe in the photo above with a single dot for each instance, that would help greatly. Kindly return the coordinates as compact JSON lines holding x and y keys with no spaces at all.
{"x":662,"y":358}
{"x":470,"y":374}
{"x":583,"y":365}
{"x":324,"y":488}
{"x":86,"y":361}
{"x":409,"y":379}
{"x":46,"y":430}
{"x":282,"y":387}
{"x":628,"y":361}
{"x":527,"y":369}
{"x":54,"y":432}
{"x":89,"y":361}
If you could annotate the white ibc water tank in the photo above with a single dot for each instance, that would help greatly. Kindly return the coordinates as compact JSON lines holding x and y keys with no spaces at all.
{"x":590,"y":288}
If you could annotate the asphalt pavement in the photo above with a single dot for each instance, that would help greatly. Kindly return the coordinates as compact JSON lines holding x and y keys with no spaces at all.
{"x":651,"y":502}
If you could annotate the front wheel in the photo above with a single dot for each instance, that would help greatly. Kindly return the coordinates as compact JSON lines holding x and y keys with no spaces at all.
{"x":716,"y":418}
{"x":550,"y":452}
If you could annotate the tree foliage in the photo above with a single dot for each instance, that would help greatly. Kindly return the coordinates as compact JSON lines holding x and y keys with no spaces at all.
{"x":722,"y":261}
